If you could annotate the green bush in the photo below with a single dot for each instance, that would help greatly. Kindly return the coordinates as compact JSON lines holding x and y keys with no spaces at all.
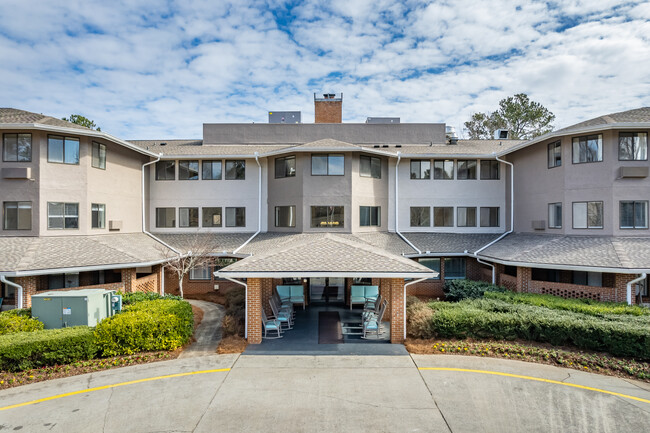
{"x":25,"y":312}
{"x":132,"y":298}
{"x":585,"y":306}
{"x":161,"y":324}
{"x":457,"y":290}
{"x":10,"y":323}
{"x":26,"y":350}
{"x":492,"y":318}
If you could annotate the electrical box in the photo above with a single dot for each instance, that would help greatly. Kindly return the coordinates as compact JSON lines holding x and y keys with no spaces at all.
{"x":62,"y":309}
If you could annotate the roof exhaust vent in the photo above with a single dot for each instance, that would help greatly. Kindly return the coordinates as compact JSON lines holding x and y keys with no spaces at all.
{"x":164,"y":143}
{"x":501,"y":134}
{"x":450,"y":133}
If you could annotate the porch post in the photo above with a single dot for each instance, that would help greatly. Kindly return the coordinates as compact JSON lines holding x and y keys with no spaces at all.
{"x":397,"y":310}
{"x":254,"y":310}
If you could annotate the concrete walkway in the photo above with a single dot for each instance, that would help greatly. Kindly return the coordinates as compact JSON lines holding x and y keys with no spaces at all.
{"x":208,"y":333}
{"x":231,"y":393}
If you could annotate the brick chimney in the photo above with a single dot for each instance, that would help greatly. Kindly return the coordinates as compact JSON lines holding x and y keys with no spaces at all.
{"x":329,"y":108}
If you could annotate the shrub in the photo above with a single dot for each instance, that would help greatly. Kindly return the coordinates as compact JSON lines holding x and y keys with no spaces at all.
{"x":457,"y":290}
{"x":25,"y":312}
{"x":10,"y":323}
{"x":25,"y":350}
{"x":132,"y":298}
{"x":233,"y":321}
{"x":160,"y":324}
{"x":418,"y":314}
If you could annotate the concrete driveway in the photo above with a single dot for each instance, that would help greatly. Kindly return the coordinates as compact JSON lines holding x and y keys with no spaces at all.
{"x":330,"y":393}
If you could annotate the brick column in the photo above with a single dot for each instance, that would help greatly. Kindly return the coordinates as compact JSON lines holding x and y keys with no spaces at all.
{"x":397,"y":310}
{"x":29,"y":288}
{"x":620,"y":287}
{"x":254,"y":310}
{"x":498,"y":270}
{"x":523,"y":279}
{"x":267,"y":291}
{"x":128,"y":278}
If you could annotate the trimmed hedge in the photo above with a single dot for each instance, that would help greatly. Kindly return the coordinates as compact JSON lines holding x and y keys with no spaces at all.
{"x":492,"y":318}
{"x":457,"y":290}
{"x":584,"y":306}
{"x":162,"y":324}
{"x":11,"y":323}
{"x":26,"y":350}
{"x":135,"y":297}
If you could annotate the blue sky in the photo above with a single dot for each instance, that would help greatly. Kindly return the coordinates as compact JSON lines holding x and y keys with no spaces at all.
{"x":150,"y":69}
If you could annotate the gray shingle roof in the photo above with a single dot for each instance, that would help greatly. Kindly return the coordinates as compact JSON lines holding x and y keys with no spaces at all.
{"x":13,"y":115}
{"x":464,"y":147}
{"x":196,"y":147}
{"x":580,"y":251}
{"x":440,"y":243}
{"x":218,"y":242}
{"x":638,"y":115}
{"x":59,"y":252}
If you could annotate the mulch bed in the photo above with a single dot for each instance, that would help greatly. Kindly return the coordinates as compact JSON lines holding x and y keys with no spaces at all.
{"x":593,"y":362}
{"x":232,"y":344}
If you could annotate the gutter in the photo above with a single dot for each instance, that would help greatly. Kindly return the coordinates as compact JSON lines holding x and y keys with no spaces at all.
{"x":259,"y":207}
{"x":399,"y":157}
{"x":19,"y":290}
{"x":81,"y":269}
{"x":245,"y":302}
{"x":408,"y":284}
{"x":512,"y":218}
{"x":629,"y":287}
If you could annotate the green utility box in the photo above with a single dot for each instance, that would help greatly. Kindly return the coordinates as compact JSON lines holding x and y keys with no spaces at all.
{"x":86,"y":307}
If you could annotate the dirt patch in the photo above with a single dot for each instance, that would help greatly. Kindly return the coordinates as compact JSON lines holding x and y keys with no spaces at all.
{"x":593,"y":362}
{"x":198,"y":318}
{"x":216,"y":297}
{"x":232,"y":344}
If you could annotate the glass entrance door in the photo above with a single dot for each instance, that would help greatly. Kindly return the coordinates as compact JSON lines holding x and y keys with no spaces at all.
{"x":327,"y":289}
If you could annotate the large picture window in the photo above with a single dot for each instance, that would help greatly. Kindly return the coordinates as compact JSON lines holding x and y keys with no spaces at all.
{"x":64,"y":150}
{"x":200,"y":272}
{"x":633,"y":146}
{"x":454,"y":268}
{"x":554,"y":154}
{"x":489,"y":217}
{"x":99,"y":156}
{"x":489,"y":170}
{"x":420,"y":169}
{"x":327,"y":165}
{"x":466,"y":169}
{"x":236,"y":170}
{"x":165,"y":170}
{"x":588,"y":149}
{"x":17,"y":215}
{"x":588,"y":215}
{"x":370,"y":166}
{"x":327,"y":216}
{"x":285,"y":216}
{"x":98,"y":215}
{"x":188,"y":170}
{"x":211,"y":170}
{"x":165,"y":217}
{"x":555,"y":215}
{"x":285,"y":167}
{"x":634,"y":214}
{"x":235,"y":217}
{"x":420,"y":216}
{"x":466,"y":217}
{"x":211,"y":216}
{"x":369,"y":216}
{"x":432,"y":263}
{"x":443,"y":216}
{"x":188,"y":217}
{"x":62,"y":215}
{"x":443,"y":169}
{"x":17,"y":148}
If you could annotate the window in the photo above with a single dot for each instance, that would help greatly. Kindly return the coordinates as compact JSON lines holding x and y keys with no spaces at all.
{"x":98,"y":215}
{"x":550,"y":275}
{"x":433,"y":264}
{"x":327,"y":165}
{"x":489,"y":217}
{"x":211,"y":170}
{"x":632,"y":146}
{"x":188,"y":170}
{"x":443,"y":169}
{"x":466,"y":169}
{"x":587,"y":278}
{"x":634,"y":214}
{"x":61,"y":281}
{"x":443,"y":216}
{"x":63,"y":215}
{"x":235,"y":217}
{"x":555,"y":215}
{"x":588,"y":215}
{"x":420,"y":169}
{"x":166,"y":170}
{"x":466,"y":217}
{"x":588,"y":149}
{"x":17,"y":148}
{"x":200,"y":272}
{"x":211,"y":217}
{"x":420,"y":216}
{"x":489,"y":170}
{"x":510,"y":270}
{"x":285,"y":167}
{"x":370,"y":166}
{"x":285,"y":216}
{"x":17,"y":215}
{"x":327,"y":216}
{"x":165,"y":217}
{"x":236,"y":170}
{"x":454,"y":268}
{"x":99,"y":156}
{"x":63,"y":150}
{"x":188,"y":216}
{"x":554,"y":154}
{"x":370,"y":216}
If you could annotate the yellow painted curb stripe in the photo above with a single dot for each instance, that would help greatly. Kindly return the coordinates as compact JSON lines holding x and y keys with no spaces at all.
{"x":115,"y":385}
{"x":537,"y":379}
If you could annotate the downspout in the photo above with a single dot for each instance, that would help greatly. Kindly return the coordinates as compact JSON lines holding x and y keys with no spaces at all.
{"x":408,"y":284}
{"x":399,"y":157}
{"x":259,"y":207}
{"x":19,"y":290}
{"x":245,"y":303}
{"x":144,"y":229}
{"x":629,"y":287}
{"x":512,"y":218}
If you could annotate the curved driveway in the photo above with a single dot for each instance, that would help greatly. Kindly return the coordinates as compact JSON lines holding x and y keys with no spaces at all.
{"x":330,"y":393}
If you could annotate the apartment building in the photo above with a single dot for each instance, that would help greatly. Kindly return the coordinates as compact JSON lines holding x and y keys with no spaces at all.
{"x":327,"y":205}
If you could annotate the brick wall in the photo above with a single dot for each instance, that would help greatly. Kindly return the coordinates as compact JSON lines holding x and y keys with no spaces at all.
{"x":147,"y":284}
{"x":328,"y":111}
{"x":397,"y":310}
{"x":194,"y":286}
{"x":254,"y":310}
{"x":384,"y":291}
{"x":508,"y":281}
{"x":128,"y":278}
